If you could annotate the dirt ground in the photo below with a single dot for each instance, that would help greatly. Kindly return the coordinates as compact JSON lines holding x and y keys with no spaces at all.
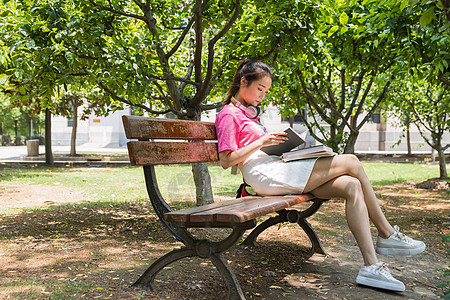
{"x":78,"y":252}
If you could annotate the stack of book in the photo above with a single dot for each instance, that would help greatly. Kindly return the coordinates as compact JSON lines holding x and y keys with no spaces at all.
{"x":284,"y":150}
{"x":310,"y":152}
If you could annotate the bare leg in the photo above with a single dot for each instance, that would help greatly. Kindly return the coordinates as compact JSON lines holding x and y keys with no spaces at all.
{"x":330,"y":168}
{"x":350,"y":189}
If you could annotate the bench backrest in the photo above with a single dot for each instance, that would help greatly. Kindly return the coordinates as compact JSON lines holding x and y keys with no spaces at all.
{"x":167,"y":141}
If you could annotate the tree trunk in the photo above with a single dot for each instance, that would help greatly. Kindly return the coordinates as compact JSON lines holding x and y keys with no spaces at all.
{"x":48,"y":138}
{"x":408,"y":138}
{"x":350,"y":145}
{"x":442,"y":164}
{"x":73,"y":138}
{"x":202,"y":179}
{"x":16,"y":140}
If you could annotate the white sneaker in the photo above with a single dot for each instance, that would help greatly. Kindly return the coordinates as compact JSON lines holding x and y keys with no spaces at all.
{"x":399,"y":244}
{"x":378,"y":276}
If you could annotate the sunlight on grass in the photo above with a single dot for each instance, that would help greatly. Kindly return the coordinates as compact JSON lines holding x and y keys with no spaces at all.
{"x":388,"y":173}
{"x":64,"y":288}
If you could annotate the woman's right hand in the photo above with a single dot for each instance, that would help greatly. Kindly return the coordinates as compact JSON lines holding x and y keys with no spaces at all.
{"x":230,"y":158}
{"x":273,"y":138}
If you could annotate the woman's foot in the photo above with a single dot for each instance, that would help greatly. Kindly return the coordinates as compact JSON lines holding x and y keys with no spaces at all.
{"x":378,"y":276}
{"x":399,"y":244}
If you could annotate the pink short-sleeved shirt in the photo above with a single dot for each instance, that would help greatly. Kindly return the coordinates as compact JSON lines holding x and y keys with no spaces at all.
{"x":268,"y":175}
{"x":235,"y":130}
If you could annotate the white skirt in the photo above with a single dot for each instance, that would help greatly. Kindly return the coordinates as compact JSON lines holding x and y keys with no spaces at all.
{"x":269,"y":175}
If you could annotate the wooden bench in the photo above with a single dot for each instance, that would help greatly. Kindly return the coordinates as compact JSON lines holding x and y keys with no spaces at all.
{"x":161,"y":141}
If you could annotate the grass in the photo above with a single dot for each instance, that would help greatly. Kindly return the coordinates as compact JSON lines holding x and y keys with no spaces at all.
{"x":126,"y":184}
{"x":106,"y":186}
{"x":388,"y":173}
{"x":58,"y":289}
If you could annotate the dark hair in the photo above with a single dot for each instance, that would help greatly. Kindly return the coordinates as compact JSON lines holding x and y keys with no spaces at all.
{"x":250,"y":70}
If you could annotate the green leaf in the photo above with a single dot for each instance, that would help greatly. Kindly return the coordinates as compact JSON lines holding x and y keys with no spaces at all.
{"x":427,"y":16}
{"x":404,"y":4}
{"x":329,"y":19}
{"x":344,"y":30}
{"x":3,"y":79}
{"x":343,"y":18}
{"x":333,"y":30}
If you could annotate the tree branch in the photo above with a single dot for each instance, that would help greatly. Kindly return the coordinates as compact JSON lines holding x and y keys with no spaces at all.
{"x":123,"y":100}
{"x":211,"y":44}
{"x":310,"y":127}
{"x":443,"y":80}
{"x":355,"y":95}
{"x":366,"y":92}
{"x":311,"y":99}
{"x":198,"y":41}
{"x":115,"y":11}
{"x":180,"y":39}
{"x":168,"y":74}
{"x":331,"y":107}
{"x":87,"y":57}
{"x":375,"y":106}
{"x":211,"y":106}
{"x":421,"y":132}
{"x":190,"y":67}
{"x":418,"y":118}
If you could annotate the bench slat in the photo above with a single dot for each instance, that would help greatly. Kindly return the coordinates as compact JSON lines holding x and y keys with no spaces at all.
{"x":238,"y":210}
{"x":148,"y":153}
{"x":183,"y":215}
{"x":137,"y":127}
{"x":253,"y":209}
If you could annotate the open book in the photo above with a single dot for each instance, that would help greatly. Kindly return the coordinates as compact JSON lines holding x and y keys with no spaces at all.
{"x":284,"y":150}
{"x":294,"y":140}
{"x":310,"y":152}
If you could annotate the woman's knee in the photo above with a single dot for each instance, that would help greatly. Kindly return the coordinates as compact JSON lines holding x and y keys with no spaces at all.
{"x":351,"y":159}
{"x":351,"y":163}
{"x":353,"y":188}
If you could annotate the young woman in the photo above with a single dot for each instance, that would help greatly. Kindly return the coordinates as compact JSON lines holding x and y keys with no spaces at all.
{"x":240,"y":137}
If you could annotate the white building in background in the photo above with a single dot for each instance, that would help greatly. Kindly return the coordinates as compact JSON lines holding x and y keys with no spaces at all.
{"x":101,"y":131}
{"x":375,"y":136}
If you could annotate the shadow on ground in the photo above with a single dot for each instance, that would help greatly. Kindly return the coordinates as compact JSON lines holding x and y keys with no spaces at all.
{"x":77,"y":250}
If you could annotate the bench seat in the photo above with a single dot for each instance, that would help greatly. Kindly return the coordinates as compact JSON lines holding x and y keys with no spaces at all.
{"x":234,"y":211}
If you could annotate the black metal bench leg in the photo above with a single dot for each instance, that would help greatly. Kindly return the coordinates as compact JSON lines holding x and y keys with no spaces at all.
{"x":146,"y":279}
{"x":315,"y":241}
{"x":250,"y":240}
{"x":233,"y":286}
{"x":293,"y":216}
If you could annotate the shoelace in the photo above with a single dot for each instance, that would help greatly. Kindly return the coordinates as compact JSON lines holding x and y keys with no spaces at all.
{"x":402,"y":237}
{"x":384,"y":270}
